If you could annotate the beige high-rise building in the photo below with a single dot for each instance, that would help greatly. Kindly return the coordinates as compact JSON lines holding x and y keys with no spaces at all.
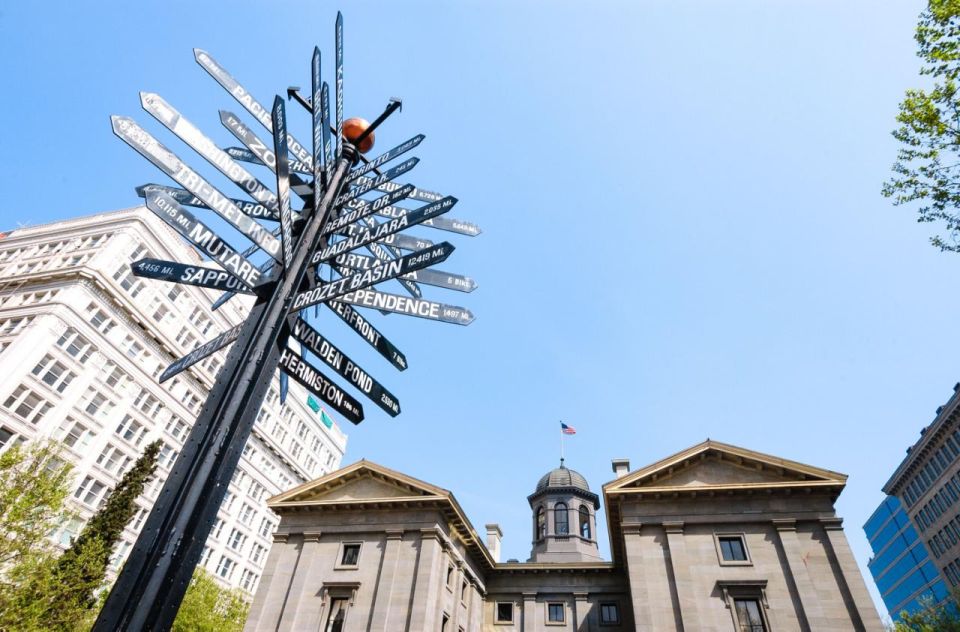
{"x":715,"y":538}
{"x":82,"y":342}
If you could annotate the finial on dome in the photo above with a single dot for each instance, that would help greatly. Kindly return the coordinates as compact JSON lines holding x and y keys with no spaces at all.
{"x":561,"y":463}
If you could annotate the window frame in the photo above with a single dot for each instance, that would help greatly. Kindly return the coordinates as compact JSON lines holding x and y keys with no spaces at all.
{"x":341,"y":554}
{"x":616,"y":611}
{"x":717,"y":537}
{"x":566,"y":518}
{"x":497,"y":620}
{"x":563,"y":613}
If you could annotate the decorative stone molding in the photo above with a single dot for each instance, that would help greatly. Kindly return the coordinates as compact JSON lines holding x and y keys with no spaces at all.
{"x":280,"y":538}
{"x":394,"y":534}
{"x":785,"y":524}
{"x":832,"y":524}
{"x":673,"y":527}
{"x":311,"y":536}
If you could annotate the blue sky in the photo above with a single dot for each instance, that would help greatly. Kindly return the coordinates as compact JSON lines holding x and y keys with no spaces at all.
{"x":683,"y":230}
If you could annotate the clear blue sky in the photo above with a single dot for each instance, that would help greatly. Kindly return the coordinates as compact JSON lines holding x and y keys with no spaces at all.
{"x":683,"y":230}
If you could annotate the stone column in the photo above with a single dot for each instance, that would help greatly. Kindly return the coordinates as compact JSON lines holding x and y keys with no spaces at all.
{"x":810,"y":605}
{"x":382,"y":611}
{"x":455,"y":608}
{"x":424,"y":603}
{"x":281,"y":564}
{"x":650,"y":591}
{"x":581,"y":613}
{"x":529,"y":612}
{"x":302,"y":603}
{"x":865,"y":615}
{"x":680,"y":563}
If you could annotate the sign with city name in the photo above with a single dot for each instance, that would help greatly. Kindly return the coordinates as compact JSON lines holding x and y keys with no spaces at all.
{"x":320,"y":385}
{"x":200,"y":276}
{"x":378,"y":233}
{"x":365,"y":278}
{"x":313,"y":341}
{"x":201,"y":236}
{"x":200,"y":353}
{"x":409,"y":306}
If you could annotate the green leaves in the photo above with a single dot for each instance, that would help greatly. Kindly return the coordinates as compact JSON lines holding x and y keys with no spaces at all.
{"x":927,"y":169}
{"x":207,"y":607}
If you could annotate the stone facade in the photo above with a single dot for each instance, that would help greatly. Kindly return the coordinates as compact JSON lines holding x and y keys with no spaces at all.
{"x":714,"y":538}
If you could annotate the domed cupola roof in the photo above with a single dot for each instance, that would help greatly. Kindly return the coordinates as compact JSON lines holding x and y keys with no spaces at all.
{"x":564,"y":480}
{"x":563,"y":477}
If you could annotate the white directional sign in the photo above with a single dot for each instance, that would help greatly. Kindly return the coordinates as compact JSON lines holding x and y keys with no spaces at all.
{"x":151,"y":149}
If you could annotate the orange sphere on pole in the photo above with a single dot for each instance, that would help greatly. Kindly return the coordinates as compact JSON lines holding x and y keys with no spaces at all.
{"x":352,"y":128}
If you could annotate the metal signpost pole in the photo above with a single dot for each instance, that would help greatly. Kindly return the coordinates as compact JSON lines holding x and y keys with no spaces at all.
{"x":148,"y":592}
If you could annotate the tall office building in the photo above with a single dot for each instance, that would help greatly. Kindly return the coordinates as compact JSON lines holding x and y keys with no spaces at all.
{"x":901,"y":565}
{"x":82,"y":342}
{"x":927,"y":483}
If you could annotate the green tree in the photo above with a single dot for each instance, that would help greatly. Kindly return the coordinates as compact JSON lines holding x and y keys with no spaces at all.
{"x":931,"y":616}
{"x":34,"y":483}
{"x":927,"y":169}
{"x":61,"y":593}
{"x":207,"y":607}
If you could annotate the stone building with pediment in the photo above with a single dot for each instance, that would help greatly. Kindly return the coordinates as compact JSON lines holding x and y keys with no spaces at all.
{"x":713,"y":538}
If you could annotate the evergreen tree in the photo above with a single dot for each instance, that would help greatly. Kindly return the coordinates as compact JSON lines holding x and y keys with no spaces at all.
{"x":86,"y":561}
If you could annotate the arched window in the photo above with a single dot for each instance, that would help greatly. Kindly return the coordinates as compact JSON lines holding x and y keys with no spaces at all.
{"x":541,"y":523}
{"x":584,"y":523}
{"x":561,"y":521}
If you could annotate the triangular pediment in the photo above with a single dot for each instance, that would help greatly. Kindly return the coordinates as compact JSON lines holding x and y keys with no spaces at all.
{"x":362,"y":481}
{"x":715,"y":465}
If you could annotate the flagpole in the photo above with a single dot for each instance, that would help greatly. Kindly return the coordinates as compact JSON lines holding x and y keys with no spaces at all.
{"x":561,"y":443}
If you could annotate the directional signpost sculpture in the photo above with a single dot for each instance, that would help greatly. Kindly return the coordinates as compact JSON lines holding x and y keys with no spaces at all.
{"x":313,"y":259}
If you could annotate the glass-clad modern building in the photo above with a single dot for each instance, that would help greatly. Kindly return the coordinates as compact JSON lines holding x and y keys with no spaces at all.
{"x":901,"y":565}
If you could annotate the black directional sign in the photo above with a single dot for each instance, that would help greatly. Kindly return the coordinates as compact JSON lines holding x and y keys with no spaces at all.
{"x":438,"y":278}
{"x":316,"y":115}
{"x":200,"y":353}
{"x":339,"y":86}
{"x":386,"y":176}
{"x":370,"y":334}
{"x":396,"y":240}
{"x":362,"y":208}
{"x":387,"y":156}
{"x":366,"y":236}
{"x":200,"y":235}
{"x":188,"y":133}
{"x":245,"y":99}
{"x":325,"y":113}
{"x":167,"y":161}
{"x":189,"y":275}
{"x":409,"y":306}
{"x":372,"y":276}
{"x":418,"y":194}
{"x":253,"y":209}
{"x":321,"y":386}
{"x":337,"y":360}
{"x":310,"y":246}
{"x":279,"y":118}
{"x":441,"y":223}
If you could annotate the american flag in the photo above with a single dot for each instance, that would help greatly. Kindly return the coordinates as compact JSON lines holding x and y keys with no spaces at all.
{"x":568,"y":430}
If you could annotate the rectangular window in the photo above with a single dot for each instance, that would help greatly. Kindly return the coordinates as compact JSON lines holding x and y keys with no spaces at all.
{"x":225,"y":567}
{"x":167,"y":456}
{"x":351,"y":555}
{"x":131,"y":430}
{"x":74,"y":434}
{"x":246,"y":514}
{"x":256,"y":490}
{"x":749,"y":617}
{"x":97,"y":404}
{"x":555,"y":613}
{"x":732,"y":548}
{"x":27,"y":405}
{"x":504,"y":612}
{"x":90,"y":492}
{"x":266,"y":527}
{"x":257,"y":554}
{"x":53,"y":373}
{"x":249,"y":580}
{"x":236,"y":540}
{"x":609,"y":614}
{"x":338,"y":613}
